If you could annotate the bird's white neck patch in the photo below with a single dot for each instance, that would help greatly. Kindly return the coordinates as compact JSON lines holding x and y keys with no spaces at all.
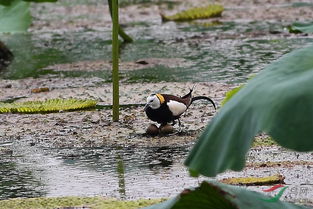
{"x":177,"y":108}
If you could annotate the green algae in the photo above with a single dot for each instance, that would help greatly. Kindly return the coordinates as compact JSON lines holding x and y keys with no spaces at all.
{"x":87,"y":202}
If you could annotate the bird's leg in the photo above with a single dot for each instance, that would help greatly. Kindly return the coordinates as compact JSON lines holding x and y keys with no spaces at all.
{"x":179,"y":125}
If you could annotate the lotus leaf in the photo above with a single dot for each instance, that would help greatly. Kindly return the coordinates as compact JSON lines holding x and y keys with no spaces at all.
{"x":278,"y":101}
{"x":213,"y":195}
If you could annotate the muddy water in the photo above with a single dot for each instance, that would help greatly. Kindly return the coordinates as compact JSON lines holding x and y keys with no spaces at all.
{"x":132,"y":172}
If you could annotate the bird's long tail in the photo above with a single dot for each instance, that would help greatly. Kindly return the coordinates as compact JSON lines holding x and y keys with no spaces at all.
{"x":203,"y":97}
{"x":189,"y":94}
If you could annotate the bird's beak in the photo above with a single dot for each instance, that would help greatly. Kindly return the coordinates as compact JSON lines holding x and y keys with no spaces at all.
{"x":146,"y":107}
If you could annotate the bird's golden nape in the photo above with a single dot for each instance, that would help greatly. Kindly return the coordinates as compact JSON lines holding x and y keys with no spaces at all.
{"x":161,"y":98}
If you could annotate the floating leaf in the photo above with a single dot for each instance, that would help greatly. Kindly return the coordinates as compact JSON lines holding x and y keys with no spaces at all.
{"x":213,"y":195}
{"x":51,"y":105}
{"x":301,"y":28}
{"x":15,"y":17}
{"x":278,"y":101}
{"x":249,"y":181}
{"x":213,"y":10}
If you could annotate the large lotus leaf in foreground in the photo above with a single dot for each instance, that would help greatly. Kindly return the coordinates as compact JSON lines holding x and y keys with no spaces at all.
{"x":278,"y":101}
{"x":213,"y":195}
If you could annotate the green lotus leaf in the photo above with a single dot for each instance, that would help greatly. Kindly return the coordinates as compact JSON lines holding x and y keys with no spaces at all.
{"x":209,"y":11}
{"x":278,"y":101}
{"x":15,"y":17}
{"x":213,"y":195}
{"x":51,"y":105}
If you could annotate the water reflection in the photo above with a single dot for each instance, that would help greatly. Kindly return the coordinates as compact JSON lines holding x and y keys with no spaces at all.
{"x":121,"y":176}
{"x":121,"y":172}
{"x":18,"y":182}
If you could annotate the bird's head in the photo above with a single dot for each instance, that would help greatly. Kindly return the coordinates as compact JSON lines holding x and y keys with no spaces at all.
{"x":154,"y":101}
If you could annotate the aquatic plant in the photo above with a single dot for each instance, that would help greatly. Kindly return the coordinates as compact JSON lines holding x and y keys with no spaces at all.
{"x":213,"y":195}
{"x":51,"y":105}
{"x":248,"y":181}
{"x":115,"y":59}
{"x":121,"y":32}
{"x":212,"y":10}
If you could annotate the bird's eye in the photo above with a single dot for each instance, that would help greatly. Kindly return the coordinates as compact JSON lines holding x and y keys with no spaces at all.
{"x":151,"y":101}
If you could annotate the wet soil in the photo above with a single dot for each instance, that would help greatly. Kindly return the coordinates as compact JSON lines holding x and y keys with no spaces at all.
{"x":95,"y":127}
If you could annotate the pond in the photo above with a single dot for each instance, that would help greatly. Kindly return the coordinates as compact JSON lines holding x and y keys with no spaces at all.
{"x":228,"y":52}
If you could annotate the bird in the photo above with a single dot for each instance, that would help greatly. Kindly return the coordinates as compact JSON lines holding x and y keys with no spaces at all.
{"x":166,"y":108}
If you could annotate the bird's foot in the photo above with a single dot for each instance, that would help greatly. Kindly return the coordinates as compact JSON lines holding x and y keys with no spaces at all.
{"x":166,"y":129}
